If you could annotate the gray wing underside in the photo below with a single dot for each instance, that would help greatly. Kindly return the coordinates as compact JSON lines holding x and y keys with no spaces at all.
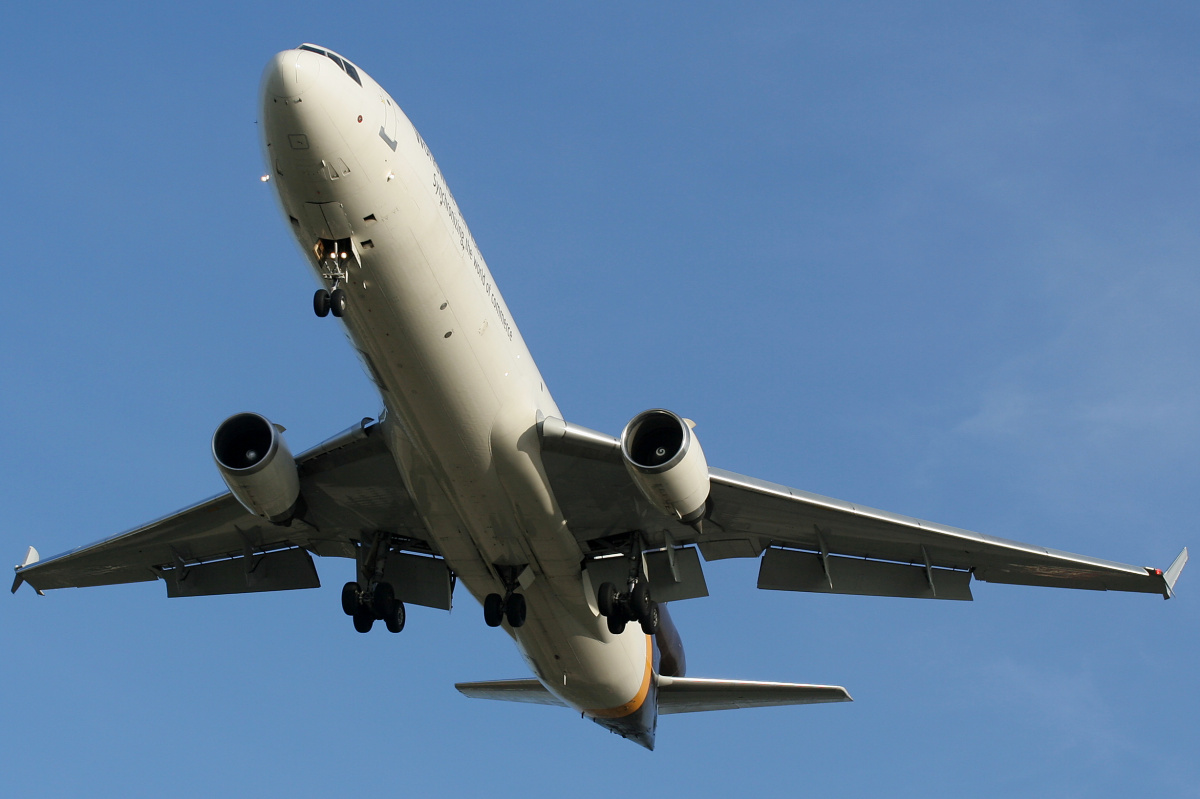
{"x":809,"y":542}
{"x":349,"y":483}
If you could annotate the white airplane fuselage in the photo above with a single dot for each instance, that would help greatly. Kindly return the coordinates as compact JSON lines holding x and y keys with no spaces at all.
{"x":462,"y":392}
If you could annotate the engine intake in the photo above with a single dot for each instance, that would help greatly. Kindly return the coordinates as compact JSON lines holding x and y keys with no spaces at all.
{"x":665,"y":460}
{"x":257,"y":465}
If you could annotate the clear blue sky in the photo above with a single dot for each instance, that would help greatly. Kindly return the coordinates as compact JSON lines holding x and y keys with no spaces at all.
{"x":940,"y":261}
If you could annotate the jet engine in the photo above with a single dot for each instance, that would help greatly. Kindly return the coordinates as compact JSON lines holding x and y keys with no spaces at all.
{"x":257,"y":465}
{"x":666,"y":463}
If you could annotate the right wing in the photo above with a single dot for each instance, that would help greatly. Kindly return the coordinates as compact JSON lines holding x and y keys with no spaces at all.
{"x":807,"y":542}
{"x":352,"y":491}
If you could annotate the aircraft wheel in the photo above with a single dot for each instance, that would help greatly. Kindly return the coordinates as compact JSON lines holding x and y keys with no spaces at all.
{"x":493,"y":610}
{"x":650,"y":620}
{"x":349,"y":598}
{"x":514,"y":610}
{"x":616,"y":624}
{"x":337,"y":302}
{"x":395,"y":619}
{"x":606,"y":598}
{"x":639,"y":602}
{"x":321,"y":302}
{"x":364,"y":618}
{"x":382,"y":600}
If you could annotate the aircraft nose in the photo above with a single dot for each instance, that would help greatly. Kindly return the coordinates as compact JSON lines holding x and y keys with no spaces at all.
{"x":290,"y":72}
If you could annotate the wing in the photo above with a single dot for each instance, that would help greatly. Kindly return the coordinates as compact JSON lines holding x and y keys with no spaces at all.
{"x":807,"y":542}
{"x":351,"y":489}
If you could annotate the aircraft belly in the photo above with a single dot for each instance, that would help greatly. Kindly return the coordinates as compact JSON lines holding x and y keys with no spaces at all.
{"x":463,"y":398}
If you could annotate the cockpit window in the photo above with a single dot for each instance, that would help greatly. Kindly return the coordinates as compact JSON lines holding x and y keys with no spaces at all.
{"x":346,"y":66}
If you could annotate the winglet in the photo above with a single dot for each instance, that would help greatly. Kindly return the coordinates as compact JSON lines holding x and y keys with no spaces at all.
{"x":1172,"y":574}
{"x":31,"y":557}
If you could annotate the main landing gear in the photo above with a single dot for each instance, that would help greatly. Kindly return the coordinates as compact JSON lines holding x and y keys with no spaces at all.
{"x":498,"y":608}
{"x":367,"y":607}
{"x":509,"y":607}
{"x":371,"y":598}
{"x":633,"y":605}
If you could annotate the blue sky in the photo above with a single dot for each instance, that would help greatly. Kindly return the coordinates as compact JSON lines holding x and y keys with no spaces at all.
{"x":940,"y":261}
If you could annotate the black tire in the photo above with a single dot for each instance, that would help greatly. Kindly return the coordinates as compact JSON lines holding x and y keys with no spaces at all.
{"x":337,"y":302}
{"x":493,"y":610}
{"x":382,"y":601}
{"x":514,"y":610}
{"x":395,"y":619}
{"x":650,"y":622}
{"x":364,"y":618}
{"x":321,"y":303}
{"x":349,"y":598}
{"x":606,"y":598}
{"x":639,"y":602}
{"x":616,"y":624}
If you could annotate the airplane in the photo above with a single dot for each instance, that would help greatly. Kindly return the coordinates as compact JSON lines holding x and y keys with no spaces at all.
{"x":574,"y":541}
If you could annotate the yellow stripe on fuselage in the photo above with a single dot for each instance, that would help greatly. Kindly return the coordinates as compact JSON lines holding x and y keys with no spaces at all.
{"x":635,"y":704}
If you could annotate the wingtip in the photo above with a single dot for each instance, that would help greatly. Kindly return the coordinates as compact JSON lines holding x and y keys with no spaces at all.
{"x":1171,"y":575}
{"x":31,"y":557}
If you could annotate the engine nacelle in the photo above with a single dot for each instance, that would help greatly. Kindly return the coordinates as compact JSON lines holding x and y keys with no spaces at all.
{"x":665,"y":461}
{"x":257,"y":465}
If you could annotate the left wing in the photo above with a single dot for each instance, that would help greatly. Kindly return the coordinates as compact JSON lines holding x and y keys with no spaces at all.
{"x":351,"y":489}
{"x":807,"y":542}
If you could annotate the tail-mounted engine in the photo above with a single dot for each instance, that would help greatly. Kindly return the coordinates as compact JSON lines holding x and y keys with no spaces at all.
{"x":665,"y":461}
{"x":257,"y":465}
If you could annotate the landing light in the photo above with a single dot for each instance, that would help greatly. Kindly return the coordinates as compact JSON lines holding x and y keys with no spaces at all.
{"x":265,"y":178}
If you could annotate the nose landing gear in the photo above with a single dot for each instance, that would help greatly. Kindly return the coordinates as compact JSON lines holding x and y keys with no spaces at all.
{"x":334,"y":258}
{"x":326,"y":302}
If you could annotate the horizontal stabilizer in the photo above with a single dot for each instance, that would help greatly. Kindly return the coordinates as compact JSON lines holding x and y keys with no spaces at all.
{"x":691,"y":695}
{"x":677,"y":694}
{"x":528,"y":691}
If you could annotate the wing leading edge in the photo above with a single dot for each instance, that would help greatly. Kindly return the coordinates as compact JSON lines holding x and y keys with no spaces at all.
{"x":808,"y":542}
